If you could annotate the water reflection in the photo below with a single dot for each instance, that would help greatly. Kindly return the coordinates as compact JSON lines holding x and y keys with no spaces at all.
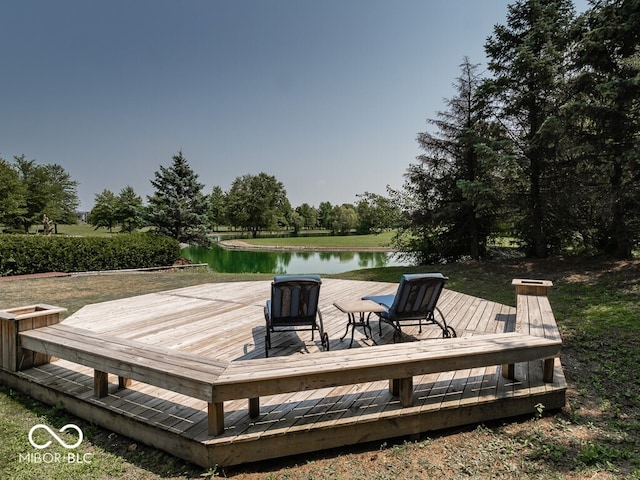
{"x":237,"y":261}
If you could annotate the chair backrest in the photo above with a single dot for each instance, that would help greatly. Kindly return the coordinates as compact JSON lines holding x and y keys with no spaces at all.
{"x":294,"y":299}
{"x":417,"y":296}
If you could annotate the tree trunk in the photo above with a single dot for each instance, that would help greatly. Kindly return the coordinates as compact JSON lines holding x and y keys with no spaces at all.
{"x":621,"y":232}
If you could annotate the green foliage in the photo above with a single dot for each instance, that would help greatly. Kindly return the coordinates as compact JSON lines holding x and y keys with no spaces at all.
{"x":11,"y":193}
{"x":376,"y":213}
{"x":257,"y":202}
{"x":527,"y":58}
{"x":606,"y":117}
{"x":178,"y":208}
{"x":23,"y":254}
{"x":345,"y":219}
{"x":544,"y":150}
{"x":450,"y":207}
{"x":40,"y":190}
{"x":103,"y":213}
{"x":129,"y":210}
{"x":216,"y":212}
{"x":308,"y":214}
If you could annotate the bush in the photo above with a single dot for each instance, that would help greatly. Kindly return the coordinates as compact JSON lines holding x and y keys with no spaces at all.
{"x":22,"y":254}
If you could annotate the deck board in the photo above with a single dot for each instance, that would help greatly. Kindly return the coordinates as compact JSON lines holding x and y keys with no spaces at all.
{"x":226,"y":322}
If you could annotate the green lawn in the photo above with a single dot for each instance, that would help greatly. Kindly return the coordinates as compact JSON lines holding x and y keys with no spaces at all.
{"x":332,"y":241}
{"x":597,"y":434}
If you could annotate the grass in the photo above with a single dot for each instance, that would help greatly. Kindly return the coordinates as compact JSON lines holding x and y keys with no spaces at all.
{"x":332,"y":241}
{"x":597,"y":435}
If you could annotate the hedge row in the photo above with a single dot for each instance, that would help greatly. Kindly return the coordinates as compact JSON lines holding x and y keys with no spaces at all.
{"x":22,"y":254}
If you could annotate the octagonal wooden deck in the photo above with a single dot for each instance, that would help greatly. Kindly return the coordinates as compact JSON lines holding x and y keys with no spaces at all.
{"x":225,"y":321}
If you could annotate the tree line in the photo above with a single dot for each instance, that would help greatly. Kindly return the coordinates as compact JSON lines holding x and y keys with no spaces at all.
{"x":180,"y":209}
{"x":544,"y":149}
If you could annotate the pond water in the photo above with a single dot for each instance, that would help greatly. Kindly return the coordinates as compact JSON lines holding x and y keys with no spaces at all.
{"x":238,"y":261}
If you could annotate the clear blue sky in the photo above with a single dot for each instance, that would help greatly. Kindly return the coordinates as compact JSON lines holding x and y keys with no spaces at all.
{"x":326,"y":95}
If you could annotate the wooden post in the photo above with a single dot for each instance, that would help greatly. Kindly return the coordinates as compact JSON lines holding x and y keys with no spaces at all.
{"x":394,"y":387}
{"x":547,"y":370}
{"x":124,"y":382}
{"x":509,"y":371}
{"x":20,"y":319}
{"x":531,"y":287}
{"x":216,"y":418}
{"x":254,"y":407}
{"x":405,"y":394}
{"x":100,"y":384}
{"x":539,"y":288}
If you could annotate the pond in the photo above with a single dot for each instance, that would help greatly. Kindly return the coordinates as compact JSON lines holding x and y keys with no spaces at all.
{"x":239,"y":261}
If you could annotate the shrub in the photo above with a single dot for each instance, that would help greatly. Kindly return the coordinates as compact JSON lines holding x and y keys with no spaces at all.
{"x":22,"y":254}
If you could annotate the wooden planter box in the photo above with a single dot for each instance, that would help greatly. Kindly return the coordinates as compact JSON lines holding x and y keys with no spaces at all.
{"x":20,"y":319}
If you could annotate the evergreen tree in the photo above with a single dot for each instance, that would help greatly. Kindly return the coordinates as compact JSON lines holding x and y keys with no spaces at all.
{"x":178,"y":207}
{"x":450,"y":206}
{"x":608,"y":119}
{"x":528,"y":58}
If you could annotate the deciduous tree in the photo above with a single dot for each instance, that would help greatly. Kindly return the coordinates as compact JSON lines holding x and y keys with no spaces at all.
{"x":129,"y":210}
{"x":48,"y":189}
{"x":104,"y":213}
{"x":257,"y":202}
{"x":12,"y":193}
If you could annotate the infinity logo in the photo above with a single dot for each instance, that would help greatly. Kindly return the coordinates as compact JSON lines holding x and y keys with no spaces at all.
{"x":53,"y":434}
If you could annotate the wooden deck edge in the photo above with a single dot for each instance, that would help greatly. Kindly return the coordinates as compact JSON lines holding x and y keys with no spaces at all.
{"x":252,"y":449}
{"x":172,"y":443}
{"x":311,"y":440}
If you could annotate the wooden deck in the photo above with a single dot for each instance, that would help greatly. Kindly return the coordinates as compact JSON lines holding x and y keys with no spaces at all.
{"x":225,"y":321}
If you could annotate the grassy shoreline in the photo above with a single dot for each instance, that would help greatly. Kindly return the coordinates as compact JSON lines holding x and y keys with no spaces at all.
{"x":379,"y":242}
{"x":597,"y":435}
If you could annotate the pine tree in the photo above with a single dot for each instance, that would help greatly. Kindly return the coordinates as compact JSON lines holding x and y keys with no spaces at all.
{"x":608,"y":114}
{"x":528,"y":58}
{"x":178,"y":208}
{"x":450,"y":206}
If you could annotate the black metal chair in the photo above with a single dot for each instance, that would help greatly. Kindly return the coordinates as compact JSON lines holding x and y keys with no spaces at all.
{"x":294,"y":307}
{"x":414,"y":303}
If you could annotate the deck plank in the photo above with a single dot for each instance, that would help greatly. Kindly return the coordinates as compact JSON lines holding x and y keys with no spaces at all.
{"x":226,"y":322}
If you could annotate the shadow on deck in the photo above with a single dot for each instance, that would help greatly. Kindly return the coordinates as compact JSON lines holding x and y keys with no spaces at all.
{"x":225,"y":321}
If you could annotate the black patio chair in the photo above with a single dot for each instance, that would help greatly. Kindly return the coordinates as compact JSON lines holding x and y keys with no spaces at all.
{"x":294,"y":307}
{"x":414,"y":303}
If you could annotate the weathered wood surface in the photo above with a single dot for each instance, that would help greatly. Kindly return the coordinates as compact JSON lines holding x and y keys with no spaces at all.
{"x":344,"y":367}
{"x":226,"y":321}
{"x":21,"y":319}
{"x":173,"y":370}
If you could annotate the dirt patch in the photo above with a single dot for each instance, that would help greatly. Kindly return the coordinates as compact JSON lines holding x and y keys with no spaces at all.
{"x":30,"y":276}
